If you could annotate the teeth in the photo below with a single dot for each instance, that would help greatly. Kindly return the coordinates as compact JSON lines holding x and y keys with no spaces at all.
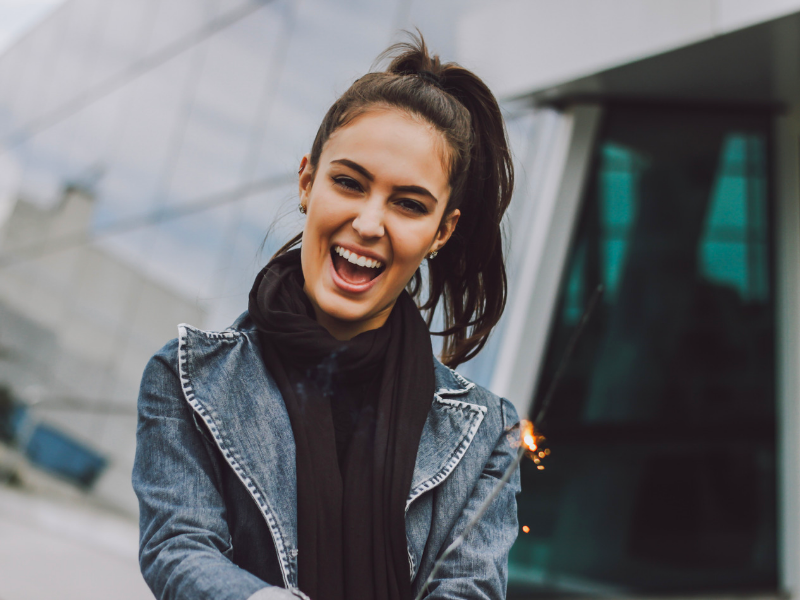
{"x":361,"y":261}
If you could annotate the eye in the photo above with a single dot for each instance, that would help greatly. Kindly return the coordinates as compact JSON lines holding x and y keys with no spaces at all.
{"x":413,"y":206}
{"x":347,"y":183}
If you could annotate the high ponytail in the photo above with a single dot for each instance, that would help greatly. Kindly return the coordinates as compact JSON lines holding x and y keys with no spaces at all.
{"x":468,"y":276}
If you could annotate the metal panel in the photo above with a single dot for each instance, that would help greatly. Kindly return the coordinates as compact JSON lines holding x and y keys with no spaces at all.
{"x":543,"y":258}
{"x":787,"y":229}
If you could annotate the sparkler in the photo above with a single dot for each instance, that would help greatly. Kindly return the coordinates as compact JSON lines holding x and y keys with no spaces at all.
{"x":529,"y":441}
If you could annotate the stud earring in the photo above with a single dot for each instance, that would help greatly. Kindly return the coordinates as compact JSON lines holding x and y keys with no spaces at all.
{"x":301,"y":207}
{"x":433,"y":254}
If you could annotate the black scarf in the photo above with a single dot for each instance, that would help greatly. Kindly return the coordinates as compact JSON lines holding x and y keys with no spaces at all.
{"x":351,"y":524}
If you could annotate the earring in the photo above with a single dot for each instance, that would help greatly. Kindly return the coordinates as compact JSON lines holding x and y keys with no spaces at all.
{"x":302,"y":208}
{"x":433,"y":254}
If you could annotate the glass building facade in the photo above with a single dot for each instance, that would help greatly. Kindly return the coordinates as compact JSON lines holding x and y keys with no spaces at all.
{"x":663,"y":472}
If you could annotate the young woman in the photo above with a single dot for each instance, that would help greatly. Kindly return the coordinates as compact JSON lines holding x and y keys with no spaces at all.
{"x":317,"y":448}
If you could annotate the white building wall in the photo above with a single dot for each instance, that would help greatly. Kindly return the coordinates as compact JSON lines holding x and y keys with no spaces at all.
{"x":523,"y":46}
{"x":93,"y":321}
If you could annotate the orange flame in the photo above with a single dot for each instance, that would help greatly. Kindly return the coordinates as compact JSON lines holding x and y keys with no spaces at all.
{"x":532,"y":442}
{"x":528,"y":437}
{"x":526,"y":529}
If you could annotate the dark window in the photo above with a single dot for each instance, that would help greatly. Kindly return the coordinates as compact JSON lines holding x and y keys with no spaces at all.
{"x":662,"y":472}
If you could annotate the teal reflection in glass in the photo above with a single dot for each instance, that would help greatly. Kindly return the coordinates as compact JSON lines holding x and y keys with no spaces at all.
{"x":618,"y":179}
{"x":662,"y":472}
{"x":575,"y":292}
{"x":733,"y":250}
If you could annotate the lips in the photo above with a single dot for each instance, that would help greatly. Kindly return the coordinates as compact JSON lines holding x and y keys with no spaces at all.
{"x":350,"y":271}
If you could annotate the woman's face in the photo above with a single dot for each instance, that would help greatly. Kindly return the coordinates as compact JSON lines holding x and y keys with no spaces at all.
{"x":375,"y":206}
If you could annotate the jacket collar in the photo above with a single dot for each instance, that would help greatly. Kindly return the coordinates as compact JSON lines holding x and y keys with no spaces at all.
{"x":226,"y":384}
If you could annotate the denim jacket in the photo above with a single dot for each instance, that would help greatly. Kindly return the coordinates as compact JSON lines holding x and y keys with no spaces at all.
{"x":215,"y":477}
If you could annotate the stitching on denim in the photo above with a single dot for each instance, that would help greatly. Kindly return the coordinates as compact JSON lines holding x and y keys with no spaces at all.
{"x":226,"y":334}
{"x":468,"y":385}
{"x":412,"y":567}
{"x":458,"y":454}
{"x":460,"y":404}
{"x":188,"y":393}
{"x":462,"y":380}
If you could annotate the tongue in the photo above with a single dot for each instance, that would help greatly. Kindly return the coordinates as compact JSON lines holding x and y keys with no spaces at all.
{"x":352,"y":273}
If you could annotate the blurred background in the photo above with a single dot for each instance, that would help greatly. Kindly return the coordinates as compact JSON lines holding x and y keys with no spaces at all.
{"x":147,"y":147}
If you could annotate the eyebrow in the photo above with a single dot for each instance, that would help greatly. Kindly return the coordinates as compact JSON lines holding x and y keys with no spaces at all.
{"x":410,"y":189}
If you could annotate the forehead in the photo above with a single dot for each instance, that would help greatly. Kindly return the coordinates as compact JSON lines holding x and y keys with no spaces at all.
{"x":386,"y":141}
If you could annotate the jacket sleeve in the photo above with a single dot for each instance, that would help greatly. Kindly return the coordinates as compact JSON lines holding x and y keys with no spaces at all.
{"x":478,"y":568}
{"x":184,"y":541}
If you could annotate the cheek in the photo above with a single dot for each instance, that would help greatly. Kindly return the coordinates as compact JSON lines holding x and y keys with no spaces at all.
{"x":320,"y":223}
{"x":411,"y":244}
{"x":314,"y":248}
{"x":328,"y":214}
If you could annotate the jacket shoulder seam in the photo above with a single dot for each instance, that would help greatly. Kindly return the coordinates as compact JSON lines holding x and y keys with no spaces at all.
{"x":505,"y":404}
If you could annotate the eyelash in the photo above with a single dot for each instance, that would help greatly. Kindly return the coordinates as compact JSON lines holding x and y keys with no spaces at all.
{"x":347,"y":183}
{"x":413,"y":206}
{"x":351,"y":185}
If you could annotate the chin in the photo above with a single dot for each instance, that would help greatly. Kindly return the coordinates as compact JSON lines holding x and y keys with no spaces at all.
{"x":342,"y":309}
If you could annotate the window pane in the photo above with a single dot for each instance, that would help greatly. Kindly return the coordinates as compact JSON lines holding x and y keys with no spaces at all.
{"x":662,"y":473}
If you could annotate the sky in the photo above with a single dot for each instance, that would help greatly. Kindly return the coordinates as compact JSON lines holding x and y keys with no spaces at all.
{"x":19,"y":16}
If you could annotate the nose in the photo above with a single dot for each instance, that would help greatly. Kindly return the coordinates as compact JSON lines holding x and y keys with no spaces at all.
{"x":368,"y":223}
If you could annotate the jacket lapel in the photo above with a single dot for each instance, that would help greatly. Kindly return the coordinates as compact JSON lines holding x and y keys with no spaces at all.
{"x":225,"y":383}
{"x":450,"y":419}
{"x":449,"y":430}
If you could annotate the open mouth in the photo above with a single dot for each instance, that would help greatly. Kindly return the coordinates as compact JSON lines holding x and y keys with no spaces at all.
{"x":354,"y":269}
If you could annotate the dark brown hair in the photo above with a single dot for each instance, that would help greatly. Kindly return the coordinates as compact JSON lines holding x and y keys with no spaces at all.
{"x":469,"y":272}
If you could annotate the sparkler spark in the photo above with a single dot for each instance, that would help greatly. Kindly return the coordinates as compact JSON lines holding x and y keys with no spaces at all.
{"x":532,"y":443}
{"x":527,"y":436}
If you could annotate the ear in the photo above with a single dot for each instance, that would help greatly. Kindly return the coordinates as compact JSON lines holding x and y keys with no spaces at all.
{"x":446,"y":229}
{"x":305,"y":179}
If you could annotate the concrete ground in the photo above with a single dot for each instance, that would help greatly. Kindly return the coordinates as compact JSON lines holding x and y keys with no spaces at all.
{"x":65,"y":549}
